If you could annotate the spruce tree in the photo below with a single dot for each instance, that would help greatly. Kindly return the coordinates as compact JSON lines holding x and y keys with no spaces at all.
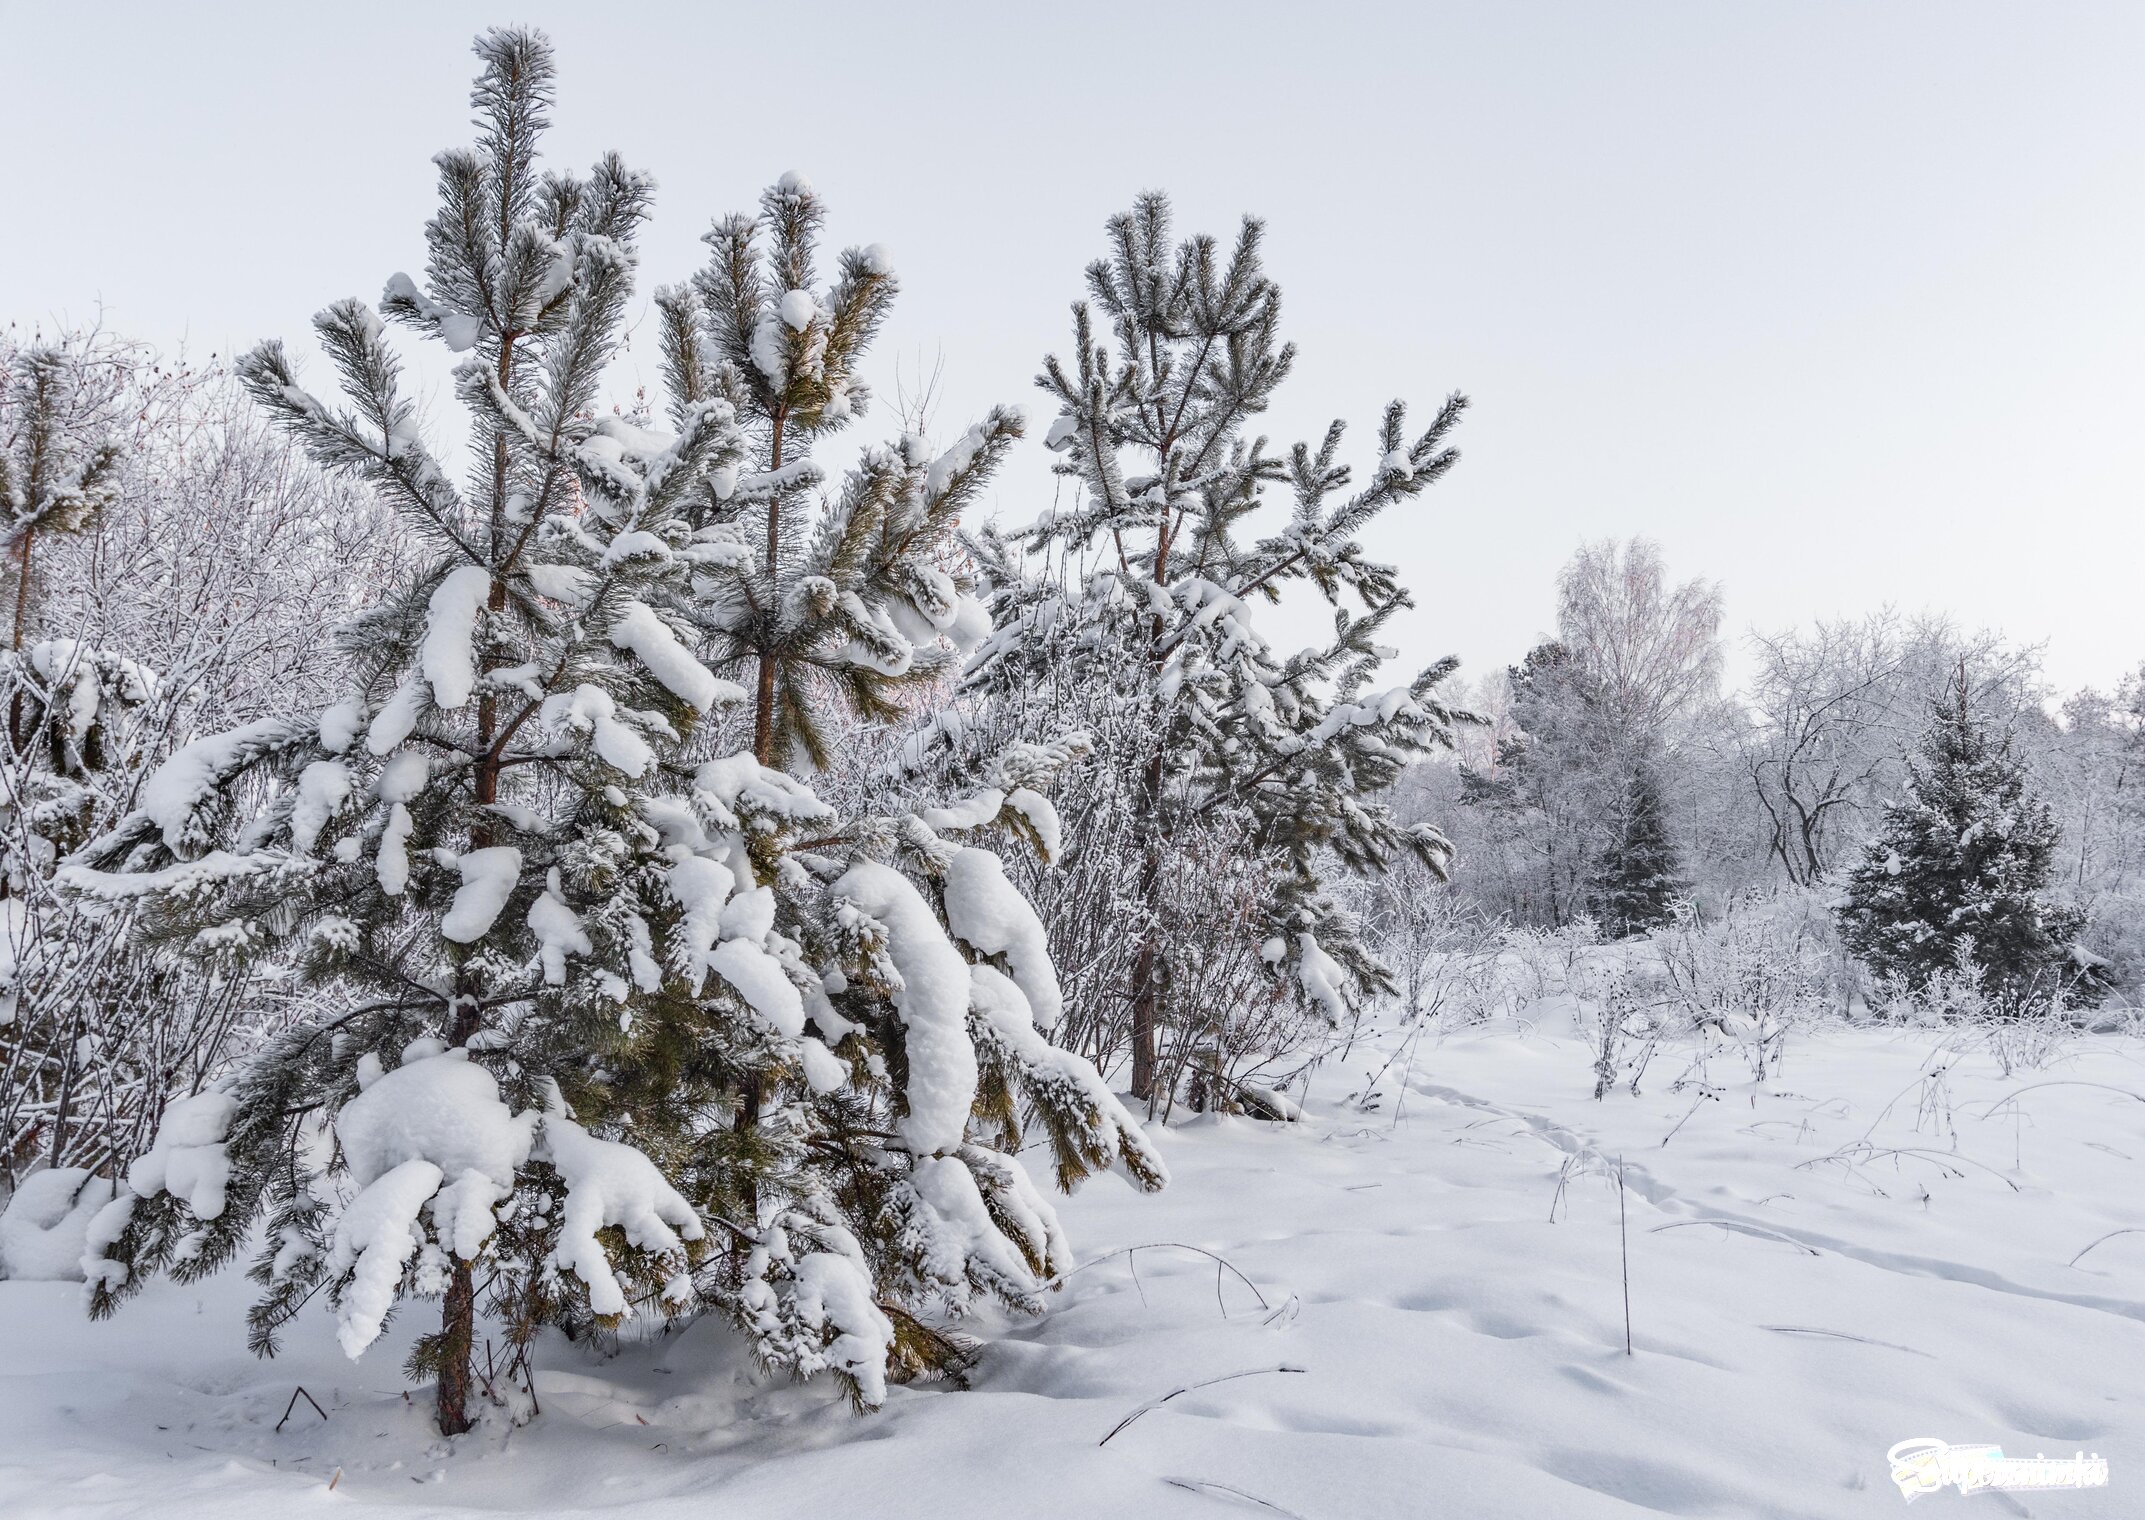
{"x":1141,"y":601}
{"x":1637,"y":877}
{"x":1956,"y":878}
{"x":541,"y":910}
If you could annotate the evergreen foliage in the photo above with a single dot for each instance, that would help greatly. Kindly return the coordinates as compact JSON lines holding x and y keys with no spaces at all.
{"x":845,"y":607}
{"x":1138,"y":612}
{"x":437,"y":840}
{"x":1956,"y":879}
{"x":615,"y":1022}
{"x":1637,"y":878}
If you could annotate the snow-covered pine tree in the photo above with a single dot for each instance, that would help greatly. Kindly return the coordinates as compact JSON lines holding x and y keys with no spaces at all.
{"x":1140,"y":615}
{"x":838,"y":606}
{"x":1638,"y":877}
{"x":440,"y":842}
{"x":869,"y":1179}
{"x":834,"y":607}
{"x":1957,"y":877}
{"x":60,"y":452}
{"x":60,"y":455}
{"x":554,"y":921}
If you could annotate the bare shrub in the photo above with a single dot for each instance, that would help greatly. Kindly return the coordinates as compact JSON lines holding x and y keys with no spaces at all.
{"x":1977,"y":1020}
{"x":199,"y":598}
{"x":1547,"y":960}
{"x":1747,"y":980}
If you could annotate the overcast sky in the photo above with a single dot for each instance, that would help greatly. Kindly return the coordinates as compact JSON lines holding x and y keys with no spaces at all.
{"x":1843,"y":304}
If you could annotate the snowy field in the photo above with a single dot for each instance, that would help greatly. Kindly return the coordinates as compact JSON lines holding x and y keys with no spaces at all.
{"x":1876,"y":1246}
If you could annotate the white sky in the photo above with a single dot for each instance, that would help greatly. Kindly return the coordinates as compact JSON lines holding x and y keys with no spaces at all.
{"x":1844,"y":304}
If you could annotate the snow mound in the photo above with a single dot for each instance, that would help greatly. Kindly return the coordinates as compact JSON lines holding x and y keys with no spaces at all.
{"x":611,"y":1184}
{"x":449,"y":657}
{"x":932,"y":1002}
{"x":437,"y":1106}
{"x":44,"y":1227}
{"x":436,"y":1119}
{"x":488,"y":879}
{"x":639,"y":630}
{"x":187,"y":1159}
{"x":1798,"y":1305}
{"x":989,"y":912}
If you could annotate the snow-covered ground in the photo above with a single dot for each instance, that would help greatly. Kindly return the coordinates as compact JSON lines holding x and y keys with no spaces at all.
{"x":1874,"y":1247}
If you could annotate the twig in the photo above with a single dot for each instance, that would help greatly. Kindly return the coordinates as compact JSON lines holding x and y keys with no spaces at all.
{"x":1698,"y":1103}
{"x":293,"y":1404}
{"x":1563,"y":1174}
{"x":489,"y":1375}
{"x":1841,"y":1335}
{"x":528,"y":1379}
{"x":2059,"y":1082}
{"x":1868,"y":1152}
{"x":1172,"y":1245}
{"x":1366,"y":1089}
{"x":1208,"y":1489}
{"x":1153,"y":1404}
{"x":1739,"y":1227}
{"x":1406,"y":1072}
{"x":2103,"y":1240}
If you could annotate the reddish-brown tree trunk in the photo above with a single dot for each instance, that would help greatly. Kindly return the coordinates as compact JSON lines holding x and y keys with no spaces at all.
{"x":457,"y":1328}
{"x":458,"y":1310}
